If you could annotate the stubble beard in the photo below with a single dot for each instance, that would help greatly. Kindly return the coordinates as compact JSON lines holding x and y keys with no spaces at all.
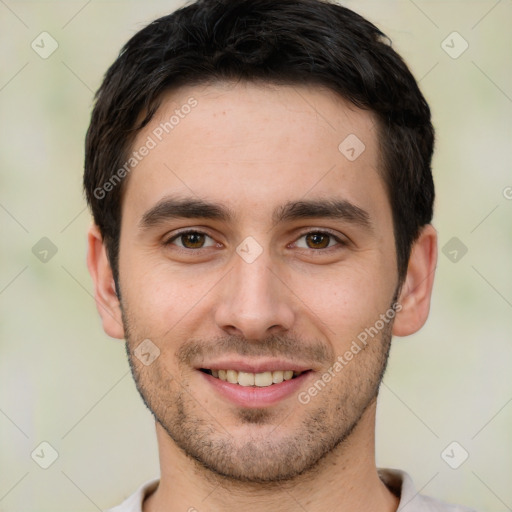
{"x":260,"y":450}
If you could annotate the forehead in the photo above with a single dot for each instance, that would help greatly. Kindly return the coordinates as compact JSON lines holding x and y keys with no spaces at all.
{"x":253,"y":146}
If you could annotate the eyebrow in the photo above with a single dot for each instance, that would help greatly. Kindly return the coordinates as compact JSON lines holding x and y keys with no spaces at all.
{"x":186,"y":208}
{"x":193,"y":208}
{"x":336,"y":209}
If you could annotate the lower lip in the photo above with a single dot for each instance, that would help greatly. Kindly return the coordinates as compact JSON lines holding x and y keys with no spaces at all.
{"x":253,"y":396}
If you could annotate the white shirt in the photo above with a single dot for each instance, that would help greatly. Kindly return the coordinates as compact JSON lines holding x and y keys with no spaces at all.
{"x":398,"y":482}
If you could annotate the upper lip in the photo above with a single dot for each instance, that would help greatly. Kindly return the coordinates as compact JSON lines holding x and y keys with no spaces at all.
{"x":255,"y":366}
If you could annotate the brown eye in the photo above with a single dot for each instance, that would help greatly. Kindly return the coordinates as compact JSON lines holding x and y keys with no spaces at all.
{"x":317,"y":240}
{"x":191,"y":240}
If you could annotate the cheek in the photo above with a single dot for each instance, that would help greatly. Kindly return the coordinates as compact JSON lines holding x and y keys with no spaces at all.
{"x":159,"y":296}
{"x":345,"y":301}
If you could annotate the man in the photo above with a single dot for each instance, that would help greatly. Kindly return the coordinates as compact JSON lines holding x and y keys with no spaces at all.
{"x":259,"y":176}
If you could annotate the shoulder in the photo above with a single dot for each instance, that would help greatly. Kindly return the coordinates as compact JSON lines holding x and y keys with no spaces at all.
{"x":401,"y":484}
{"x":134,"y":502}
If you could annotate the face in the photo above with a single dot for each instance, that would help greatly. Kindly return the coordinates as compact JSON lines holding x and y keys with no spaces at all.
{"x":254,"y":253}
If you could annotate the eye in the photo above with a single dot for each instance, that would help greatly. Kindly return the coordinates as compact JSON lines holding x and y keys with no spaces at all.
{"x":191,"y":240}
{"x":318,"y":240}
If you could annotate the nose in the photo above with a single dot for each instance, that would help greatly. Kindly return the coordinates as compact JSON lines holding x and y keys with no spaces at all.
{"x":254,"y":300}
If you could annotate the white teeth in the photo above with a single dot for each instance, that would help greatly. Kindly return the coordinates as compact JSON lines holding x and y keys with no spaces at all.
{"x":232,"y":376}
{"x":245,"y":379}
{"x":277,"y":377}
{"x":261,"y":380}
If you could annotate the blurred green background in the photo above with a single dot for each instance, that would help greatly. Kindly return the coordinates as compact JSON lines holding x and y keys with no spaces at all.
{"x":63,"y":381}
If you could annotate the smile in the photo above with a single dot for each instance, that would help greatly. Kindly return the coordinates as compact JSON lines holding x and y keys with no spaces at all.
{"x":246,"y":379}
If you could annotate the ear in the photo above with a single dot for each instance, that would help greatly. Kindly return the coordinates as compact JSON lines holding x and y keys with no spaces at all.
{"x":417,"y":287}
{"x":107,"y":301}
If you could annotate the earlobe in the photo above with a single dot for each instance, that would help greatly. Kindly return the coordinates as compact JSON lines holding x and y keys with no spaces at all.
{"x":417,"y":288}
{"x":107,"y":302}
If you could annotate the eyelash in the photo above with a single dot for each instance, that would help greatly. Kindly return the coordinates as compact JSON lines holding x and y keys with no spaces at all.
{"x":340,"y":242}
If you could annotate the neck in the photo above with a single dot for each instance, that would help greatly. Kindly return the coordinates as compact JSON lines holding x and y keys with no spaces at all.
{"x":345,"y":479}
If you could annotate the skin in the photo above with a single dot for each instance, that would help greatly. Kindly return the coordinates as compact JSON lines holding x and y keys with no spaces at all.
{"x":253,"y":148}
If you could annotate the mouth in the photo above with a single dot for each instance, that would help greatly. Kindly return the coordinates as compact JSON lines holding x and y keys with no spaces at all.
{"x":260,"y":380}
{"x":255,"y":383}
